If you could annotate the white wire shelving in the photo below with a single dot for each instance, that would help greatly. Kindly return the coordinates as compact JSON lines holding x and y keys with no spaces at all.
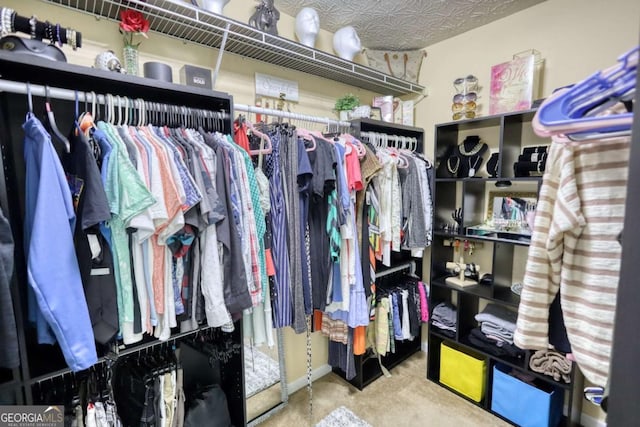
{"x":183,"y":21}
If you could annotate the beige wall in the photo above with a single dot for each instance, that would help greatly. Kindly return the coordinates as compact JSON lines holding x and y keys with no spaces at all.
{"x":576,"y":38}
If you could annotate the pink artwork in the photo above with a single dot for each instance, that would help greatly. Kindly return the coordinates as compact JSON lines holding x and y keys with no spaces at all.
{"x":512,"y":85}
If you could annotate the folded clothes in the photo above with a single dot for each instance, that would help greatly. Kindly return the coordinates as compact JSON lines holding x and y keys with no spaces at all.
{"x":490,"y":328}
{"x":551,"y":363}
{"x":445,"y":313}
{"x":443,"y":326}
{"x":445,"y":332}
{"x":500,"y":316}
{"x":479,"y":340}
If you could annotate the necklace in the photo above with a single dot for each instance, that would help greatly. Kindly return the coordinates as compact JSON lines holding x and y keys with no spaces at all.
{"x":472,"y":168}
{"x":475,"y":150}
{"x":453,"y":169}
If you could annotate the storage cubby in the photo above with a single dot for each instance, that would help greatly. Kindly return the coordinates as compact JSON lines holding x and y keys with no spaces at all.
{"x":453,"y":133}
{"x":501,"y":243}
{"x":534,"y":404}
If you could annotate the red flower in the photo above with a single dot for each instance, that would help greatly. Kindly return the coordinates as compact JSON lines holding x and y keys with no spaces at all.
{"x":132,"y":21}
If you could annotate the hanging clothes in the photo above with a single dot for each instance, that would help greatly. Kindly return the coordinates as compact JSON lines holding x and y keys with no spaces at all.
{"x":280,"y":251}
{"x":323,"y":183}
{"x":9,"y":355}
{"x":574,"y":249}
{"x":94,"y":255}
{"x":54,"y":276}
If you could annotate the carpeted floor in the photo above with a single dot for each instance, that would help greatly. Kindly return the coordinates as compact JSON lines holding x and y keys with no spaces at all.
{"x":406,"y":399}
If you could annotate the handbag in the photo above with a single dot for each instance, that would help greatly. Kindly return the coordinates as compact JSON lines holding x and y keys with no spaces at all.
{"x":401,"y":64}
{"x":32,"y":47}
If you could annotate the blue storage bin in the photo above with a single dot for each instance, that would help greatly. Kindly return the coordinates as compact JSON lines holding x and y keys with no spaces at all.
{"x":524,"y":404}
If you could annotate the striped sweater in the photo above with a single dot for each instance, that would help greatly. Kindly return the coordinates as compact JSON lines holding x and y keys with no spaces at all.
{"x":574,"y":248}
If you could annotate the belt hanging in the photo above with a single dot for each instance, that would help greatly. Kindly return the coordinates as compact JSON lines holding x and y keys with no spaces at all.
{"x":309,"y":371}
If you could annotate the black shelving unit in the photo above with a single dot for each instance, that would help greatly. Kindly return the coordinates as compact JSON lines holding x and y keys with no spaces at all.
{"x":40,"y":364}
{"x":367,"y":365}
{"x":506,"y":134}
{"x":370,"y":125}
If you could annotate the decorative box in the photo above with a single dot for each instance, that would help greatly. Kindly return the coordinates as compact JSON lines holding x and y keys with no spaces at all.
{"x":526,"y":405}
{"x":191,"y":75}
{"x":463,"y":371}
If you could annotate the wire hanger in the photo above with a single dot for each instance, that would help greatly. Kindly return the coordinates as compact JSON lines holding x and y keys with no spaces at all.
{"x":52,"y":122}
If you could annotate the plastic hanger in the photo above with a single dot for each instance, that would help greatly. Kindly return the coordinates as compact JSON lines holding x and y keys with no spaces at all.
{"x":29,"y":99}
{"x":268,"y":149}
{"x":564,"y":111}
{"x":52,"y":123}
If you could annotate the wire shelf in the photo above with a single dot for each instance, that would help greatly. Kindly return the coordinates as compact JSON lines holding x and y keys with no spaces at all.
{"x":188,"y":23}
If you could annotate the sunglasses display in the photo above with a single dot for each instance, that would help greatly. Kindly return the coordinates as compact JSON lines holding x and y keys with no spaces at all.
{"x":466,"y":97}
{"x":459,"y":106}
{"x":466,"y":84}
{"x":465,"y":100}
{"x":466,"y":115}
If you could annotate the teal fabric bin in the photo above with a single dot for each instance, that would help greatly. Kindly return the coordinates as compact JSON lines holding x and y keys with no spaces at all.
{"x":524,"y":404}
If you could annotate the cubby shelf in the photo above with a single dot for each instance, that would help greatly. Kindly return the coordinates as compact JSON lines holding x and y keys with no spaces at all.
{"x":496,"y":293}
{"x":504,"y":258}
{"x":508,"y":362}
{"x":481,"y":238}
{"x":490,"y":179}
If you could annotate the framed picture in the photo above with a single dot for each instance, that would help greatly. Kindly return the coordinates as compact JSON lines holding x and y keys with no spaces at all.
{"x":512,"y":85}
{"x":376,"y":113}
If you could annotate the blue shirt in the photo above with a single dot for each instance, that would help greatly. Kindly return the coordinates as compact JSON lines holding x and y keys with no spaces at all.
{"x":52,"y":265}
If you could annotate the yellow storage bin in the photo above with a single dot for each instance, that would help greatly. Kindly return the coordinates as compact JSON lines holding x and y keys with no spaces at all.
{"x":463,"y":371}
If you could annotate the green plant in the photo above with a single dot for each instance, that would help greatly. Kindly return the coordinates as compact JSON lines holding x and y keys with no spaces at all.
{"x":347,"y":102}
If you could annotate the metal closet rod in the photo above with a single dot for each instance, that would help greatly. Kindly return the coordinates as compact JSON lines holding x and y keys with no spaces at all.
{"x":122,"y":353}
{"x":411,"y":265}
{"x":288,"y":115}
{"x":70,"y":95}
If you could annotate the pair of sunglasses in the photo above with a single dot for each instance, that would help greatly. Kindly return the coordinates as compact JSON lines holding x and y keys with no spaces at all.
{"x":466,"y":114}
{"x":466,"y":84}
{"x":459,"y":106}
{"x":471,"y":96}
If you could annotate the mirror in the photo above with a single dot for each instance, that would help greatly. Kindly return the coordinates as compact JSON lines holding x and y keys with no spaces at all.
{"x":510,"y":215}
{"x":265,"y":378}
{"x":511,"y":211}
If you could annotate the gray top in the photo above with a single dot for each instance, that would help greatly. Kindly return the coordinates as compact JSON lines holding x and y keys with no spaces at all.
{"x":9,"y":356}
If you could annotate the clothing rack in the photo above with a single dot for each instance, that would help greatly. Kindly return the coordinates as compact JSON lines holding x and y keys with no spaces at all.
{"x":127,"y":351}
{"x":384,"y":139}
{"x":68,"y":82}
{"x":411,"y":265}
{"x":93,"y":98}
{"x":293,"y":116}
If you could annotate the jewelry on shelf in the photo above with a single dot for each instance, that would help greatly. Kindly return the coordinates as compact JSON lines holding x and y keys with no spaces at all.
{"x":475,"y":150}
{"x":453,"y":170}
{"x":472,"y":168}
{"x":32,"y":24}
{"x":492,"y":165}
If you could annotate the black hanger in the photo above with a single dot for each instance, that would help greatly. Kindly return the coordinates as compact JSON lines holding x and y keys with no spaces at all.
{"x":52,"y":122}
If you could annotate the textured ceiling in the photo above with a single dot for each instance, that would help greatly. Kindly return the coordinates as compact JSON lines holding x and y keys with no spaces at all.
{"x":406,"y":24}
